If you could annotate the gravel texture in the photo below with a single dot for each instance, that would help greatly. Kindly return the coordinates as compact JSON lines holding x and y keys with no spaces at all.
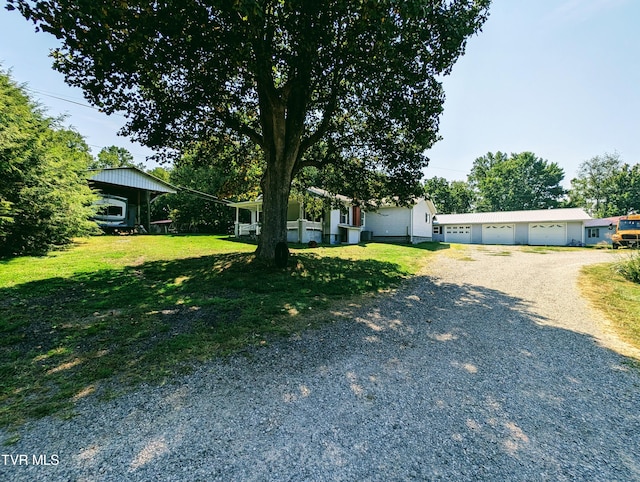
{"x":491,"y":369}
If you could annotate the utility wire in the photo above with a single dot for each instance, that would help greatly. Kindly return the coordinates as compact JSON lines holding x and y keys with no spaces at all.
{"x":58,"y":97}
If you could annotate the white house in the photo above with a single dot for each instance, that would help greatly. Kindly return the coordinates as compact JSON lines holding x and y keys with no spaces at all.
{"x":347,"y":223}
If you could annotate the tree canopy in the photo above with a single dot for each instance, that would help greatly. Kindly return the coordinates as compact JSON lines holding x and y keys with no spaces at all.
{"x":516,"y":182}
{"x":360,"y":77}
{"x":114,"y":156}
{"x":449,"y":197}
{"x":44,"y":196}
{"x":605,"y":186}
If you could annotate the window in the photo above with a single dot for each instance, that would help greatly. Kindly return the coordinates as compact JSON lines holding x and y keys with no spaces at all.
{"x":437,"y":230}
{"x":628,"y":224}
{"x":427,"y":218}
{"x":344,"y":217}
{"x":110,"y":210}
{"x":593,"y":232}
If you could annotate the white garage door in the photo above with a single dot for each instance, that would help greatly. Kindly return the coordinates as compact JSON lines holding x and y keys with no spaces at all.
{"x":457,"y":234}
{"x":498,"y":233}
{"x":548,"y":234}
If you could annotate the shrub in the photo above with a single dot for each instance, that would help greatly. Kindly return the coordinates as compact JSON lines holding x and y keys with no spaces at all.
{"x":630,"y":267}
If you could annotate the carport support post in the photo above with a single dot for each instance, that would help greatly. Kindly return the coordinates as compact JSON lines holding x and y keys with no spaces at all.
{"x":147,"y":226}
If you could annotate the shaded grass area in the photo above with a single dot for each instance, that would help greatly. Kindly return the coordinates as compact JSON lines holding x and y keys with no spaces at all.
{"x":135,"y":309}
{"x":615,"y":296}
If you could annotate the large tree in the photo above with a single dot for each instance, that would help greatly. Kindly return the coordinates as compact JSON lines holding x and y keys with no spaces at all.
{"x":626,"y":197}
{"x":453,"y":197}
{"x":596,"y":185}
{"x":114,"y":156}
{"x":361,"y":76}
{"x":516,"y":182}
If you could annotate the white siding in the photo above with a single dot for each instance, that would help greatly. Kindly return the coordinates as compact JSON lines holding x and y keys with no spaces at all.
{"x":389,"y":221}
{"x":332,"y":219}
{"x":422,"y":221}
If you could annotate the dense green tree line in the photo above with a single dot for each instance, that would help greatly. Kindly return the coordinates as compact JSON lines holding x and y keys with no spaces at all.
{"x":44,"y":197}
{"x":604,"y":186}
{"x":501,"y":182}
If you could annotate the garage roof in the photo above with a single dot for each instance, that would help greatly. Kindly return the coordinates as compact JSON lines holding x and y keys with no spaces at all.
{"x":536,"y":216}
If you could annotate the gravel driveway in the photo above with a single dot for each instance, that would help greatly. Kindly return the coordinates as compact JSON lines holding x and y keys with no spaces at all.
{"x":491,"y":369}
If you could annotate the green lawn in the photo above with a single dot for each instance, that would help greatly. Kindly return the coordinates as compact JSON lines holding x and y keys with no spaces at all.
{"x":114,"y":311}
{"x":616,"y":296}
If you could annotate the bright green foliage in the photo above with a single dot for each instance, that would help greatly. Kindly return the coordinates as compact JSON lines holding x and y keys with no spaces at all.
{"x":44,"y":197}
{"x":218,"y":168}
{"x":606,"y":187}
{"x":449,"y":197}
{"x":362,"y":77}
{"x":516,"y":182}
{"x":114,"y":156}
{"x":161,"y":173}
{"x":626,"y":196}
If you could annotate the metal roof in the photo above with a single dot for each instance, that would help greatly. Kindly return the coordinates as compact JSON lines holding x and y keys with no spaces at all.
{"x":131,"y":177}
{"x":534,"y":216}
{"x":592,"y":223}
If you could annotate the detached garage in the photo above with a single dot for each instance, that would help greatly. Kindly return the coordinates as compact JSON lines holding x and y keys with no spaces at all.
{"x":544,"y":227}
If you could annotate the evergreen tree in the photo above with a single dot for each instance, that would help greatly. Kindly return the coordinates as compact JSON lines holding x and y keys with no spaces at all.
{"x":45,"y":200}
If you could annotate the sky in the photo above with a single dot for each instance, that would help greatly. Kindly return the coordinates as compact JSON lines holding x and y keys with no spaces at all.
{"x":559,"y":78}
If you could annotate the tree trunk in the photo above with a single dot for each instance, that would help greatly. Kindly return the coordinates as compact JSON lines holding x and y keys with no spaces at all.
{"x":276,"y":188}
{"x":282,"y":125}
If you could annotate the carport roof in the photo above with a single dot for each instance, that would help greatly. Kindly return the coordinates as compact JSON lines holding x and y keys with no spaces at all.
{"x":131,"y":177}
{"x":501,"y":217}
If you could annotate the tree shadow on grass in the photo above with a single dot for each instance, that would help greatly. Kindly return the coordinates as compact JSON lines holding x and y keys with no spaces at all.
{"x":62,"y":338}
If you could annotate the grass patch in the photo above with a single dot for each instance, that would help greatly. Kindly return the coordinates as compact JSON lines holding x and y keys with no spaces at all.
{"x":460,"y":252}
{"x":549,"y":249}
{"x":615,"y":296}
{"x":114,"y":311}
